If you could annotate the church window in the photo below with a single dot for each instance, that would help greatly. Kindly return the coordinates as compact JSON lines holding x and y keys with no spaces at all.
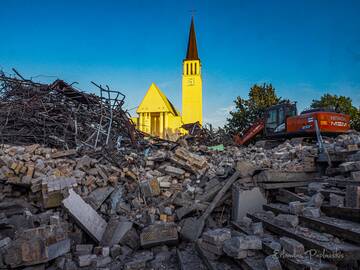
{"x":191,"y":68}
{"x":195,"y":68}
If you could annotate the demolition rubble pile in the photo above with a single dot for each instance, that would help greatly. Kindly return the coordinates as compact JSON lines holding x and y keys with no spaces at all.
{"x":87,"y":193}
{"x":58,"y":115}
{"x":167,"y":208}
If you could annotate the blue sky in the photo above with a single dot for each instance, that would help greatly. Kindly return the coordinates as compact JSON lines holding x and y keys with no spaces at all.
{"x":304,"y":48}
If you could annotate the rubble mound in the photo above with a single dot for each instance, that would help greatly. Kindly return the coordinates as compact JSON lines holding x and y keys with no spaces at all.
{"x":80,"y":189}
{"x":58,"y":115}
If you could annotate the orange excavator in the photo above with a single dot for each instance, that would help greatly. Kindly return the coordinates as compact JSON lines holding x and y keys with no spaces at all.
{"x":282,"y":121}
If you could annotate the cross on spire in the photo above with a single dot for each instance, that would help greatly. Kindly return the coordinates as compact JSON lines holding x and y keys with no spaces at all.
{"x":192,"y":11}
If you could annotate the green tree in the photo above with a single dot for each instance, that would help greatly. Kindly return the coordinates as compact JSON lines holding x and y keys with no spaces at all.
{"x":247,"y":111}
{"x":340,"y":104}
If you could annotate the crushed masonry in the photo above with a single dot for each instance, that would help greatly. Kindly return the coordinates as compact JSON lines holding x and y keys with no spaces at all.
{"x":73,"y":196}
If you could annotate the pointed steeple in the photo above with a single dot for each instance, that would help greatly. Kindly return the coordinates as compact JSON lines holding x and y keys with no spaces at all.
{"x":192,"y":53}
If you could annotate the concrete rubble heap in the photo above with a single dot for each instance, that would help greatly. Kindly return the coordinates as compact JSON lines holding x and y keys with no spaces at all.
{"x":181,"y":205}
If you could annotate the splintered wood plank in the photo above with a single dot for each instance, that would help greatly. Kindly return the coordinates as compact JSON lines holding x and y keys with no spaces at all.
{"x":344,"y":229}
{"x":305,"y":262}
{"x":352,"y":214}
{"x":311,"y":239}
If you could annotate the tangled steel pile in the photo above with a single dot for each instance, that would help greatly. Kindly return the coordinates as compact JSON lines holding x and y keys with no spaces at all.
{"x":58,"y":115}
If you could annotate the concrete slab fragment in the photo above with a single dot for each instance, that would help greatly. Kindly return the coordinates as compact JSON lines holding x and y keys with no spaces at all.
{"x":85,"y":215}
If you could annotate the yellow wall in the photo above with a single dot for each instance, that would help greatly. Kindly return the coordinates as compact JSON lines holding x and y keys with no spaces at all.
{"x":191,"y":92}
{"x":170,"y":125}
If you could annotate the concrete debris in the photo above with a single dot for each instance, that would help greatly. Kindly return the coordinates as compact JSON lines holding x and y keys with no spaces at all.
{"x":38,"y":245}
{"x":164,"y":205}
{"x":313,"y":212}
{"x":292,"y":246}
{"x":83,"y":249}
{"x":296,"y":208}
{"x":159,"y":234}
{"x":98,"y":196}
{"x":217,"y":236}
{"x":238,"y":247}
{"x":85,"y":215}
{"x":150,"y":188}
{"x":337,"y":200}
{"x":316,"y":200}
{"x":287,"y":220}
{"x":86,"y":260}
{"x":115,"y":232}
{"x":245,"y":168}
{"x":246,"y":200}
{"x":353,"y":196}
{"x":4,"y":242}
{"x":257,"y":228}
{"x":272,"y":263}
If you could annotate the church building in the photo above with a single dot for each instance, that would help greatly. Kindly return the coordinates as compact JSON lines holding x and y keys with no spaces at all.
{"x":157,"y":116}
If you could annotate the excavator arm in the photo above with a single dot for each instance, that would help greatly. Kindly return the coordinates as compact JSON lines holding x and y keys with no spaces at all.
{"x":250,"y":133}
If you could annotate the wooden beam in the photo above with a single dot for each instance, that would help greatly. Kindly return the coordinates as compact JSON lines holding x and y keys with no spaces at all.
{"x":271,"y":176}
{"x":304,"y":263}
{"x":344,"y":229}
{"x":283,"y":185}
{"x":336,"y":251}
{"x":352,"y":214}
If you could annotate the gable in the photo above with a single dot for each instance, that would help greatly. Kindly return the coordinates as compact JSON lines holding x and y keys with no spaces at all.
{"x":155,"y":101}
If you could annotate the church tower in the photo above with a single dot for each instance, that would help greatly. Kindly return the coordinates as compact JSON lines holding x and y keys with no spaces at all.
{"x":192,"y":82}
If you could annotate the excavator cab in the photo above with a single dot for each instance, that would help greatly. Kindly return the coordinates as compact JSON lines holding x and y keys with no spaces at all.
{"x":275,"y":118}
{"x":272,"y":124}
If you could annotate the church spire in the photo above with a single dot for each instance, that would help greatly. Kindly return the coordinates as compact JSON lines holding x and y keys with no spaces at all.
{"x":192,"y":53}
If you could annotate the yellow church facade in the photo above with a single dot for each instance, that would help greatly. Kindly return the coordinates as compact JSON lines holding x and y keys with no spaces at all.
{"x":157,"y":116}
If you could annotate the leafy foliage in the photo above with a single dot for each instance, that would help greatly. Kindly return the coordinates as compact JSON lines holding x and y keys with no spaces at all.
{"x":247,"y":111}
{"x":340,"y":104}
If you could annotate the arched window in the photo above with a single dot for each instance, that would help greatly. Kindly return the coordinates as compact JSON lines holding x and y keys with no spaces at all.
{"x":187,"y":69}
{"x":191,"y":68}
{"x":195,"y":68}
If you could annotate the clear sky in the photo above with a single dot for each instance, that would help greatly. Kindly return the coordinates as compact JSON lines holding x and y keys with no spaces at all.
{"x":304,"y":48}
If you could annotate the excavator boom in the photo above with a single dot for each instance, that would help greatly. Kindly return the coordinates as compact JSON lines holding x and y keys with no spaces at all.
{"x":254,"y":130}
